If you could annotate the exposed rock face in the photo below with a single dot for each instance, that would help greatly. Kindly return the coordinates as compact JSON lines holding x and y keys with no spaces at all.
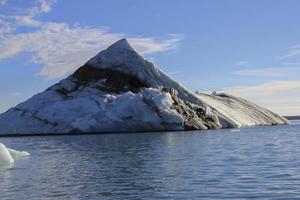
{"x":119,"y":91}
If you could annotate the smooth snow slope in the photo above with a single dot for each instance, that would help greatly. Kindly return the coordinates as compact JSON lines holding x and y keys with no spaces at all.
{"x":118,"y":90}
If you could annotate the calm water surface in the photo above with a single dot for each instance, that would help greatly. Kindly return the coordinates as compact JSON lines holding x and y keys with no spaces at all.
{"x":262,"y":162}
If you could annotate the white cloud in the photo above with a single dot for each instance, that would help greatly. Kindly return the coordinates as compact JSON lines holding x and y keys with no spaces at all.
{"x":282,"y":97}
{"x":293,"y":51}
{"x":5,"y":27}
{"x":26,"y":20}
{"x":46,"y":6}
{"x":269,"y":72}
{"x":62,"y":48}
{"x":25,"y":16}
{"x":149,"y":45}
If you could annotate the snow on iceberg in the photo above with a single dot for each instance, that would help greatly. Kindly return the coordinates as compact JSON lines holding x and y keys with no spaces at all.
{"x":120,"y":91}
{"x":17,"y":154}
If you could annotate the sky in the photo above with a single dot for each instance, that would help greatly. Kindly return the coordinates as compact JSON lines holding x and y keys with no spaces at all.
{"x":246,"y":48}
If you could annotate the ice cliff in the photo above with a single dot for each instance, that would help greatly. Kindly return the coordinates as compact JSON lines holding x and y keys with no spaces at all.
{"x":120,"y":91}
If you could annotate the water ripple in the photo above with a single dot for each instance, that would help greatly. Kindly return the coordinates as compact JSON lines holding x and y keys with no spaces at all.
{"x":258,"y":163}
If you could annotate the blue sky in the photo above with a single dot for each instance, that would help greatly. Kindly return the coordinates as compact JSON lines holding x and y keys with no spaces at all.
{"x":246,"y":48}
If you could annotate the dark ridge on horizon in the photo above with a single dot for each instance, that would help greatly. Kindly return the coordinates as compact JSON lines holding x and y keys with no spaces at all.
{"x":295,"y":117}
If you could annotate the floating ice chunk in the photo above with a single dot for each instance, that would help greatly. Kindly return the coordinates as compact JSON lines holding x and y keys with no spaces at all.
{"x":17,"y":154}
{"x":8,"y":155}
{"x":6,"y":160}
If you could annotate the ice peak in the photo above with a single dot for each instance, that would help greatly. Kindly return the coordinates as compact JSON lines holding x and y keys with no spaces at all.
{"x":121,"y":44}
{"x":119,"y":53}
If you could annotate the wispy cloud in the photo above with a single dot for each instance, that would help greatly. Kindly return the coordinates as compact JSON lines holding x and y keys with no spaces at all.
{"x":60,"y":47}
{"x":266,"y":89}
{"x":5,"y":27}
{"x":26,"y":16}
{"x":292,"y":63}
{"x":293,"y":51}
{"x":242,"y":62}
{"x":172,"y":73}
{"x":269,"y":72}
{"x":282,"y":97}
{"x":46,"y":5}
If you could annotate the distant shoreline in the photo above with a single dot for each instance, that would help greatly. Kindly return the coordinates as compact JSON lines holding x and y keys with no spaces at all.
{"x":292,"y":117}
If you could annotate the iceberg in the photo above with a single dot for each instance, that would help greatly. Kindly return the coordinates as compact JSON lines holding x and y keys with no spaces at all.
{"x":120,"y":91}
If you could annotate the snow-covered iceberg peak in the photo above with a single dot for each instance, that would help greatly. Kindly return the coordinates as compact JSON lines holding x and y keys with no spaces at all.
{"x":121,"y":45}
{"x":117,"y":55}
{"x":122,"y":57}
{"x":8,"y":155}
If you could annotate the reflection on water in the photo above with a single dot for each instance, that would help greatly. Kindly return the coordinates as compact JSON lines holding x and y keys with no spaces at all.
{"x":4,"y":167}
{"x":258,"y":162}
{"x":295,"y":121}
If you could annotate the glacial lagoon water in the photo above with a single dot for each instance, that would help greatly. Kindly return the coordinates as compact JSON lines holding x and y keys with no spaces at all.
{"x":261,"y":162}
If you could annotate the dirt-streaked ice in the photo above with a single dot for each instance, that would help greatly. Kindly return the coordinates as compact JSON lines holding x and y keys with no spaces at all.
{"x":118,"y":91}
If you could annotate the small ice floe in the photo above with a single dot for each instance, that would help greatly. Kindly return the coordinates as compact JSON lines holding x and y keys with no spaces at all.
{"x":8,"y":155}
{"x":235,"y":130}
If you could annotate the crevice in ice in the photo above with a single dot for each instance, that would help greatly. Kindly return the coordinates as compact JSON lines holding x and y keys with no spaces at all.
{"x":34,"y":116}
